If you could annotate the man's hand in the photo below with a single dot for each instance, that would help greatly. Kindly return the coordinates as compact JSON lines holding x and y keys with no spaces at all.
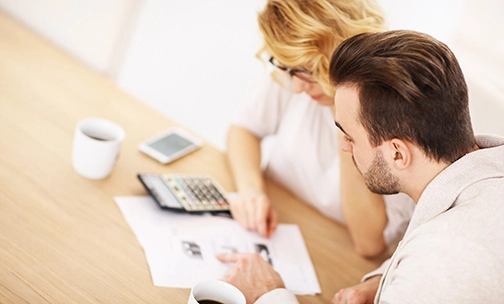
{"x":251,"y":274}
{"x":253,"y":211}
{"x":363,"y":293}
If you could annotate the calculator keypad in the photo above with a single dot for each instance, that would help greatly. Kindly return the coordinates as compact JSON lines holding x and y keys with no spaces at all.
{"x":197,"y":192}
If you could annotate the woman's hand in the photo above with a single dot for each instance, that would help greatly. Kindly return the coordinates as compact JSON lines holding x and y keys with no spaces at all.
{"x":252,"y":208}
{"x":254,"y":212}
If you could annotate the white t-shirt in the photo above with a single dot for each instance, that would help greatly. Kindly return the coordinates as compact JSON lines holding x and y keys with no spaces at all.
{"x":304,"y":154}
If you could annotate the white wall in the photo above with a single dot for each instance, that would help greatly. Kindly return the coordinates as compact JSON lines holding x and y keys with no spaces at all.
{"x":194,"y":60}
{"x":474,"y":30}
{"x":437,"y":18}
{"x":92,"y":30}
{"x":478,"y":42}
{"x":194,"y":66}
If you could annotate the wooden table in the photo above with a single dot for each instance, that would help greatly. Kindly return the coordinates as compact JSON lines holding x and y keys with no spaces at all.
{"x":62,"y":237}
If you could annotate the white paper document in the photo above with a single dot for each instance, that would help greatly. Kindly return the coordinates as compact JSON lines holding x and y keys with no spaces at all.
{"x":180,"y":248}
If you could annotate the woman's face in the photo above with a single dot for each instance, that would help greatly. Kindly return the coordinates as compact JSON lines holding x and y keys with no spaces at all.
{"x":303,"y":81}
{"x":314,"y":89}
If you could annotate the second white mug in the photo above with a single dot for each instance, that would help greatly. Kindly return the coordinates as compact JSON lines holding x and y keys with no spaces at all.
{"x":214,"y":292}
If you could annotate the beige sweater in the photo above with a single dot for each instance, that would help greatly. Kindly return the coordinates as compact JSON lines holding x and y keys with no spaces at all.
{"x":453,"y":249}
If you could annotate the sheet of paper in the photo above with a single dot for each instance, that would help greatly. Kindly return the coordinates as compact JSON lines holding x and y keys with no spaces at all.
{"x":180,"y":248}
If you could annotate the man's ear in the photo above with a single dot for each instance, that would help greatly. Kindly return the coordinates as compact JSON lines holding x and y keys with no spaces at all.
{"x":400,"y":153}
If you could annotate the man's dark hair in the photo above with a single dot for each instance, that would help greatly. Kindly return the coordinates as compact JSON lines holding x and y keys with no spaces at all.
{"x":410,"y":87}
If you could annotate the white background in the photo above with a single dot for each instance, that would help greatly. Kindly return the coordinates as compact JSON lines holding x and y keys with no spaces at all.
{"x":194,"y":60}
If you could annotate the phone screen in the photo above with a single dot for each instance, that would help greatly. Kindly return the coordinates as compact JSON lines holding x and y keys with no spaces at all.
{"x":170,"y":144}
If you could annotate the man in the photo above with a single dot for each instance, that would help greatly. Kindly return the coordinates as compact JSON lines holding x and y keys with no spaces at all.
{"x":402,"y":105}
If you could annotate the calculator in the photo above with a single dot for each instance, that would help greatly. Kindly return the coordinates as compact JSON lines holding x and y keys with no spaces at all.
{"x":186,"y":193}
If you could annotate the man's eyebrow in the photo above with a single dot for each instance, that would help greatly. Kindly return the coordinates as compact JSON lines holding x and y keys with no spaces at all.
{"x":340,"y":127}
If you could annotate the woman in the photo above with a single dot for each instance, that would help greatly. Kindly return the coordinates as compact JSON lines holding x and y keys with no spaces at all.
{"x":295,"y":106}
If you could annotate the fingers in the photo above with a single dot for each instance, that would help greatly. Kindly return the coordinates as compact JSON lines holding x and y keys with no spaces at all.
{"x":239,"y":212}
{"x":242,"y":210}
{"x":228,"y":257}
{"x":239,"y":258}
{"x":358,"y":294}
{"x":261,"y":217}
{"x":251,"y":207}
{"x":252,"y":275}
{"x":338,"y":297}
{"x":272,"y":222}
{"x":254,"y":212}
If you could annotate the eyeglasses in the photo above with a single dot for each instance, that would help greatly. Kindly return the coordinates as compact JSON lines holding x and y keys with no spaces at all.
{"x":299,"y":73}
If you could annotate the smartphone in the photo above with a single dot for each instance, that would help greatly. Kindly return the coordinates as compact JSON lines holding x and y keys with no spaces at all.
{"x":170,"y":145}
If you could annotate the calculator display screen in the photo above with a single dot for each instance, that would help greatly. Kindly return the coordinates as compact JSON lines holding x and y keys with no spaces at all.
{"x":170,"y":144}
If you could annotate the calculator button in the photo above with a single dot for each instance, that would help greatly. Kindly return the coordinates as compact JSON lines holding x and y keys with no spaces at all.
{"x":197,"y":193}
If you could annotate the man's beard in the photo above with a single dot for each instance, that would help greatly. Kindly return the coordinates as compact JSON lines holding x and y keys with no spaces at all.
{"x":378,"y":178}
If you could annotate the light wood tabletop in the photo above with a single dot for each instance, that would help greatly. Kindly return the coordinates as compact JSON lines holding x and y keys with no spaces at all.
{"x":62,"y":237}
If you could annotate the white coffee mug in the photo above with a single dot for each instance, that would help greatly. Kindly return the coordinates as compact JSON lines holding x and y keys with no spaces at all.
{"x":218,"y":291}
{"x":96,"y":147}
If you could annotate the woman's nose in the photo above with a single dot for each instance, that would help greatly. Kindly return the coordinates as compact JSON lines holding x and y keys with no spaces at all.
{"x":299,"y":86}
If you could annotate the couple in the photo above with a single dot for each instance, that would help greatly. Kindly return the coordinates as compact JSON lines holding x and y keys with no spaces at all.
{"x":402,"y":106}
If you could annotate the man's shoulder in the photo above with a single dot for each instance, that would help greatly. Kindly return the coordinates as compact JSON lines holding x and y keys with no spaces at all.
{"x":449,"y":265}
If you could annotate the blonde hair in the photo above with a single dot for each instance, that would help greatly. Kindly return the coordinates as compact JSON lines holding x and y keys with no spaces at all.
{"x":304,"y":33}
